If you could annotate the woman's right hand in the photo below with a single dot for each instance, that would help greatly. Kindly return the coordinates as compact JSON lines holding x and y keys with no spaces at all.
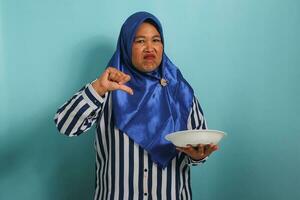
{"x":112,"y":79}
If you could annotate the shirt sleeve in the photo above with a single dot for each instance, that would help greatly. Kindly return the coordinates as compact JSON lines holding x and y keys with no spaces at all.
{"x":79,"y":113}
{"x":196,"y":120}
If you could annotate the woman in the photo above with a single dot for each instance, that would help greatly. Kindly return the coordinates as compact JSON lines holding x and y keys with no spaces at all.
{"x":139,"y":99}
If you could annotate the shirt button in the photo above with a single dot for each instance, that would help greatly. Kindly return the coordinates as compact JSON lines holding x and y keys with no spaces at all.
{"x":145,"y":170}
{"x":145,"y":194}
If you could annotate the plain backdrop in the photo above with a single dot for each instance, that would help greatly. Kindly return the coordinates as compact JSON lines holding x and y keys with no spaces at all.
{"x":241,"y":57}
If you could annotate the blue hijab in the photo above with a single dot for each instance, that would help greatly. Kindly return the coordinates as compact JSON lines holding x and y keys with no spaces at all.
{"x":154,"y":110}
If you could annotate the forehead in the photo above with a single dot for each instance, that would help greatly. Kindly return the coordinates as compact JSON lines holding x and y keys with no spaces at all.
{"x":146,"y":29}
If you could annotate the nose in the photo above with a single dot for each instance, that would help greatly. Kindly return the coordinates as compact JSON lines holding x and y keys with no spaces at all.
{"x":149,"y":46}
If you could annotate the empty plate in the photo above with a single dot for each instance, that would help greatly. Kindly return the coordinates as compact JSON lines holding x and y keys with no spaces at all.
{"x":195,"y":137}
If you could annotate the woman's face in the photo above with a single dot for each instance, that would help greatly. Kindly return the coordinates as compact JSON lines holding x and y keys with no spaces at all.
{"x":147,"y":48}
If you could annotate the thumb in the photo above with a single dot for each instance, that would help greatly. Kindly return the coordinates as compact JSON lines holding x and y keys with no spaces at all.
{"x":122,"y":87}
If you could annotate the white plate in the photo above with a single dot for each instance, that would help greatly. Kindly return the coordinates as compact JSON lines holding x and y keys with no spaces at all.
{"x":194,"y":137}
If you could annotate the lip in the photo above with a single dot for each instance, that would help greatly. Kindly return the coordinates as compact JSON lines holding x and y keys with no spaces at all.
{"x":149,"y":56}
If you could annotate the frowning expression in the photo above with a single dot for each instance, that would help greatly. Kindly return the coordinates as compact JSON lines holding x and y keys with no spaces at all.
{"x":147,"y":48}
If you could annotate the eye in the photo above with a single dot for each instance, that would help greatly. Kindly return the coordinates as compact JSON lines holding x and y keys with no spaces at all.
{"x":157,"y":40}
{"x":140,"y":41}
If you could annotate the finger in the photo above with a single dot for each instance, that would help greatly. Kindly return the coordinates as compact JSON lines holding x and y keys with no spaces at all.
{"x":192,"y":147}
{"x":214,"y":147}
{"x":201,"y":148}
{"x":114,"y":76}
{"x":207,"y":147}
{"x":112,"y":69}
{"x":192,"y":150}
{"x":117,"y":75}
{"x":105,"y":75}
{"x":186,"y":149}
{"x":124,"y":79}
{"x":125,"y":88}
{"x":181,"y":149}
{"x":211,"y":148}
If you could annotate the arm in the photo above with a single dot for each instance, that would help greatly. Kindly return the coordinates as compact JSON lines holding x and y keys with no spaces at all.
{"x":196,"y":120}
{"x":79,"y":113}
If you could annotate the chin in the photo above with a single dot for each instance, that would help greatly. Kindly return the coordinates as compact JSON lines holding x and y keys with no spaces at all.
{"x":149,"y":68}
{"x":146,"y":67}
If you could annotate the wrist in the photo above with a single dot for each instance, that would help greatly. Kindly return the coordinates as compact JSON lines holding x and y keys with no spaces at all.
{"x":98,"y":88}
{"x":193,"y":162}
{"x":198,"y":158}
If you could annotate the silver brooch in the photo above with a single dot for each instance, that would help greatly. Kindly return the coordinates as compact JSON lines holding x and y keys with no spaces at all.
{"x":163,"y":82}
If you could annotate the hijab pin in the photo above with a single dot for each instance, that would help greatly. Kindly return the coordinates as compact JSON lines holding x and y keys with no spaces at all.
{"x":163,"y":82}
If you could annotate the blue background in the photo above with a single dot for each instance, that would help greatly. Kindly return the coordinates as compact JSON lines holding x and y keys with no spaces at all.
{"x":241,"y":57}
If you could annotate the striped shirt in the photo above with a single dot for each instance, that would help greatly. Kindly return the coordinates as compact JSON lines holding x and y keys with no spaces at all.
{"x":123,"y":169}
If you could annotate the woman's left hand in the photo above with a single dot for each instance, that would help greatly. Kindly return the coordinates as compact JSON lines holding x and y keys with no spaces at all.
{"x":198,"y":152}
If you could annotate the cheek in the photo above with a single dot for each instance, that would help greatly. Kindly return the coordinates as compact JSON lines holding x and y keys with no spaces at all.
{"x":160,"y":52}
{"x":159,"y":48}
{"x":136,"y":52}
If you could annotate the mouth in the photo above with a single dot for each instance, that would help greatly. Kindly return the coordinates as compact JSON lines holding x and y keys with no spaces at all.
{"x":149,"y":57}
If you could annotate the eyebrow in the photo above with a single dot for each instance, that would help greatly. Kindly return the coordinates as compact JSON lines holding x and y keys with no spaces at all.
{"x":138,"y":37}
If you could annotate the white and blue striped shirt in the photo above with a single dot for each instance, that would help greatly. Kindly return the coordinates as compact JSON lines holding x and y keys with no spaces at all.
{"x":123,"y":169}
